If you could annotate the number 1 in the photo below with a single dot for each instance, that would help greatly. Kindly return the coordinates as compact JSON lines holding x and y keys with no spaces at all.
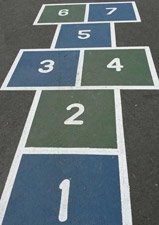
{"x":63,"y":212}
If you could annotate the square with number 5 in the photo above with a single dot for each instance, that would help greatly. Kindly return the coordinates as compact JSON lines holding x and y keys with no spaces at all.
{"x":66,"y":189}
{"x":118,"y":67}
{"x":84,"y":36}
{"x":43,"y":68}
{"x":74,"y":119}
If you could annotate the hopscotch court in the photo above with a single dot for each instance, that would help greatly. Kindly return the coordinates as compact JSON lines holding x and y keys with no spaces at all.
{"x":70,"y":166}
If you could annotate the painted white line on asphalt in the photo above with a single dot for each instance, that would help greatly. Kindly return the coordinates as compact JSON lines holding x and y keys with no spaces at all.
{"x":79,"y":69}
{"x":76,"y":151}
{"x":113,"y":35}
{"x":154,"y":75}
{"x":123,"y":171}
{"x":53,"y":44}
{"x":17,"y":158}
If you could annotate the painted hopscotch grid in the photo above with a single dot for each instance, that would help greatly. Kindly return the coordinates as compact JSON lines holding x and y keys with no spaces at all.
{"x":123,"y":173}
{"x":78,"y":75}
{"x":120,"y":151}
{"x":87,"y":13}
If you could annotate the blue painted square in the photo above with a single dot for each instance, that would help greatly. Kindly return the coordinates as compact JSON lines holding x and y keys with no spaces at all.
{"x":105,"y":12}
{"x":94,"y":193}
{"x":84,"y":36}
{"x":60,"y":71}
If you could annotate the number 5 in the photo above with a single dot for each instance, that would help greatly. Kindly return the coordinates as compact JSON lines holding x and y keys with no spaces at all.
{"x":84,"y":34}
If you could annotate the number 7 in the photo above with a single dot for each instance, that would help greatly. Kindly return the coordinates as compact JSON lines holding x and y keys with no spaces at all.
{"x":111,"y":10}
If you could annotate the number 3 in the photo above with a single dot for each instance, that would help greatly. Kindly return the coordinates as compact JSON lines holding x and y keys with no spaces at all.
{"x":72,"y":120}
{"x":48,"y":67}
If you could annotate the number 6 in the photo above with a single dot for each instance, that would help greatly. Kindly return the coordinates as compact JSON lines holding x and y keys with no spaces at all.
{"x":63,"y":12}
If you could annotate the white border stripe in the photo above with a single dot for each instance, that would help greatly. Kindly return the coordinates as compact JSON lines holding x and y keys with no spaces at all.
{"x":79,"y":69}
{"x":123,"y":172}
{"x":136,"y":12}
{"x":113,"y":35}
{"x":76,"y":151}
{"x":151,"y":64}
{"x":39,"y":14}
{"x":12,"y":69}
{"x":86,"y":13}
{"x":57,"y":32}
{"x":17,"y":158}
{"x":81,"y":88}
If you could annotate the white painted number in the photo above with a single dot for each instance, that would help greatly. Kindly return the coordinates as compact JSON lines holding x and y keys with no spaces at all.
{"x":63,"y":212}
{"x":84,"y":34}
{"x":63,"y":12}
{"x":72,"y":120}
{"x":115,"y":64}
{"x":111,"y":11}
{"x":48,"y":66}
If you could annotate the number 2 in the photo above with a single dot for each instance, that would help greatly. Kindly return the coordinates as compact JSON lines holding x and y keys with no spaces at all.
{"x":72,"y":120}
{"x":111,"y":10}
{"x":48,"y":66}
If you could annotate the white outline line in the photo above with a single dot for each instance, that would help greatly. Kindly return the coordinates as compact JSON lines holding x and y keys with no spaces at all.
{"x":12,"y":69}
{"x":123,"y":172}
{"x":86,"y":13}
{"x":76,"y":151}
{"x":39,"y":14}
{"x":17,"y":158}
{"x":81,"y":88}
{"x":79,"y":69}
{"x":152,"y":68}
{"x":136,"y":12}
{"x":56,"y":35}
{"x":90,"y":22}
{"x":113,"y":35}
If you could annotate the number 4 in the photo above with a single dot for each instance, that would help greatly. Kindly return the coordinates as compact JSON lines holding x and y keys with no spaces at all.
{"x":115,"y":64}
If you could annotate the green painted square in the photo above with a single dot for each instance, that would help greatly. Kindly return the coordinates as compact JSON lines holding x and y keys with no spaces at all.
{"x":135,"y":71}
{"x":98,"y":129}
{"x":70,"y":13}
